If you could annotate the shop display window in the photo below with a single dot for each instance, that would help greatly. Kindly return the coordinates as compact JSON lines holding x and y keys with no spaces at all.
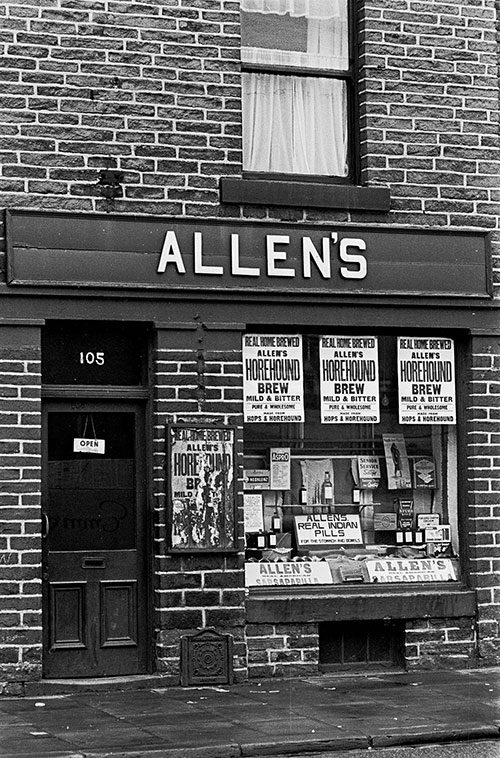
{"x":359,"y":502}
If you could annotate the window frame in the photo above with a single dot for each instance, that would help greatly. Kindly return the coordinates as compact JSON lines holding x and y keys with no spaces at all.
{"x":350,"y":76}
{"x":296,"y":439}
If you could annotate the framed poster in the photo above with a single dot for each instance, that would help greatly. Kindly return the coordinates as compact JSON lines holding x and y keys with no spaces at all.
{"x":201,"y":488}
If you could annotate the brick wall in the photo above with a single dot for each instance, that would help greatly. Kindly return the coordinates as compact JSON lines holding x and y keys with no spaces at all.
{"x":429,"y":111}
{"x":483,"y":444}
{"x":20,"y":539}
{"x":199,"y":376}
{"x":441,"y":643}
{"x":282,"y":650}
{"x":148,"y":89}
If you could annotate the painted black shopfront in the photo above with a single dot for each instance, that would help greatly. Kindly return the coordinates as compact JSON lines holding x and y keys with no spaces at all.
{"x":104,"y":296}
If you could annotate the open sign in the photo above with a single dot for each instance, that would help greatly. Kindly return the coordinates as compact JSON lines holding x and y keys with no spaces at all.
{"x":88,"y":445}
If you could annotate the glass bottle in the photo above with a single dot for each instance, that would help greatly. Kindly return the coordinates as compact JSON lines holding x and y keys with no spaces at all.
{"x":303,"y":494}
{"x":276,"y":521}
{"x":327,"y":490}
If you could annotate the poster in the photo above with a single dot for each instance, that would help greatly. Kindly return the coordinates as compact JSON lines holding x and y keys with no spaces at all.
{"x":368,"y":472}
{"x":286,"y":574}
{"x":280,"y":460}
{"x":425,"y":520}
{"x":256,"y":479}
{"x":411,"y":570}
{"x":385,"y":522}
{"x":349,"y":380}
{"x":273,"y":378}
{"x":406,"y":514}
{"x":328,"y":529}
{"x":253,"y":512}
{"x":396,"y":459}
{"x":424,"y":473}
{"x":426,"y":380}
{"x":201,"y":477}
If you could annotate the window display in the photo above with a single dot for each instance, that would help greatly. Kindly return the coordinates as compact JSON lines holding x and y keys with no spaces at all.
{"x":364,"y":489}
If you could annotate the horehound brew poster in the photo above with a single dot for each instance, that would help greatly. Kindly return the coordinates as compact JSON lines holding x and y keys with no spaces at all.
{"x":201,"y":472}
{"x":349,"y":380}
{"x":273,"y":378}
{"x":426,"y":378}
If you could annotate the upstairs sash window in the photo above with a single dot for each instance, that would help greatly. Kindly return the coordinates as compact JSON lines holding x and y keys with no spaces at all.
{"x":295,"y":56}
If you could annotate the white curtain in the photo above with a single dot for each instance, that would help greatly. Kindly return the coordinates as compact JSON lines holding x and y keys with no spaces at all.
{"x":326,"y":49}
{"x":294,"y":124}
{"x":296,"y":8}
{"x":297,"y":124}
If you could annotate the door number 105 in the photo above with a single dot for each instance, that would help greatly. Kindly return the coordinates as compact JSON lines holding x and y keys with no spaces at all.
{"x":91,"y":358}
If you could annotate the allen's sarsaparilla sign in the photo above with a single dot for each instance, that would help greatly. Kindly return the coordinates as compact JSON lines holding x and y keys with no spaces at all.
{"x":172,"y":254}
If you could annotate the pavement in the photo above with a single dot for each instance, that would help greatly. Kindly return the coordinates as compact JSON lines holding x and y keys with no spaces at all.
{"x":315,"y":714}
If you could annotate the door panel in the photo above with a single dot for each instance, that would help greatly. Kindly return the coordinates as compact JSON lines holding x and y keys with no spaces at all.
{"x":67,"y":602}
{"x":94,"y":580}
{"x":119,"y":614}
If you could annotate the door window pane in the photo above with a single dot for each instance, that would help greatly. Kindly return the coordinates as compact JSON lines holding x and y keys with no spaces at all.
{"x":91,"y":497}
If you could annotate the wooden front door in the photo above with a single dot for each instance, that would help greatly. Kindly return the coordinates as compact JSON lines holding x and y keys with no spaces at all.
{"x":94,"y":588}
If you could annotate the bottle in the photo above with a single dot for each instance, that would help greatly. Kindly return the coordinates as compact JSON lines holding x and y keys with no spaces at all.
{"x":276,"y":522}
{"x":303,"y":494}
{"x":327,"y":490}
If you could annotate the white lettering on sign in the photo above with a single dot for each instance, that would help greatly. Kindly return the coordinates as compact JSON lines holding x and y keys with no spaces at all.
{"x":278,"y":261}
{"x":286,"y":574}
{"x":236,"y":268}
{"x":321,"y":260}
{"x":274,"y":255}
{"x":199,"y":266}
{"x":88,"y":445}
{"x":90,"y":357}
{"x":171,"y":253}
{"x":357,"y":260}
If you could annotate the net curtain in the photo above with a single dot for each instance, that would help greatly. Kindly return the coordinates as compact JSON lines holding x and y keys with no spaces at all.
{"x":298,"y":124}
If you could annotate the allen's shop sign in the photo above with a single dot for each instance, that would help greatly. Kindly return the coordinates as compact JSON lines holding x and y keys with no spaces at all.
{"x":169,"y":254}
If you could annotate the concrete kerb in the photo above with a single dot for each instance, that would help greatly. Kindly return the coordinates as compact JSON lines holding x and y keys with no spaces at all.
{"x":304,"y":746}
{"x":296,"y":747}
{"x":437,"y":736}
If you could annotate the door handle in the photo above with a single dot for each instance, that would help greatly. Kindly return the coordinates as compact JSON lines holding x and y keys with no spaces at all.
{"x":45,"y":526}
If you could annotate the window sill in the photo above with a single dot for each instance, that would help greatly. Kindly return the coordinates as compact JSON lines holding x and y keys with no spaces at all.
{"x":304,"y":194}
{"x":266,"y":606}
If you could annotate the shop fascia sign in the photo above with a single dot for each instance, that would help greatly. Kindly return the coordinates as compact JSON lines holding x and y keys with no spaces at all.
{"x":351,"y":263}
{"x":85,"y":250}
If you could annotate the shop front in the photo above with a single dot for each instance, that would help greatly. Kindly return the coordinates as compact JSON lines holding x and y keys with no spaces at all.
{"x":260,"y":430}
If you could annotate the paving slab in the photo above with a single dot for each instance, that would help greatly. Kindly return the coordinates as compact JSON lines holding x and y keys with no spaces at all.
{"x":271,"y":717}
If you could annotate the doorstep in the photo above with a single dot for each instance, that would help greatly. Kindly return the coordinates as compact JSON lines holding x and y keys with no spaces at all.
{"x":48,"y":687}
